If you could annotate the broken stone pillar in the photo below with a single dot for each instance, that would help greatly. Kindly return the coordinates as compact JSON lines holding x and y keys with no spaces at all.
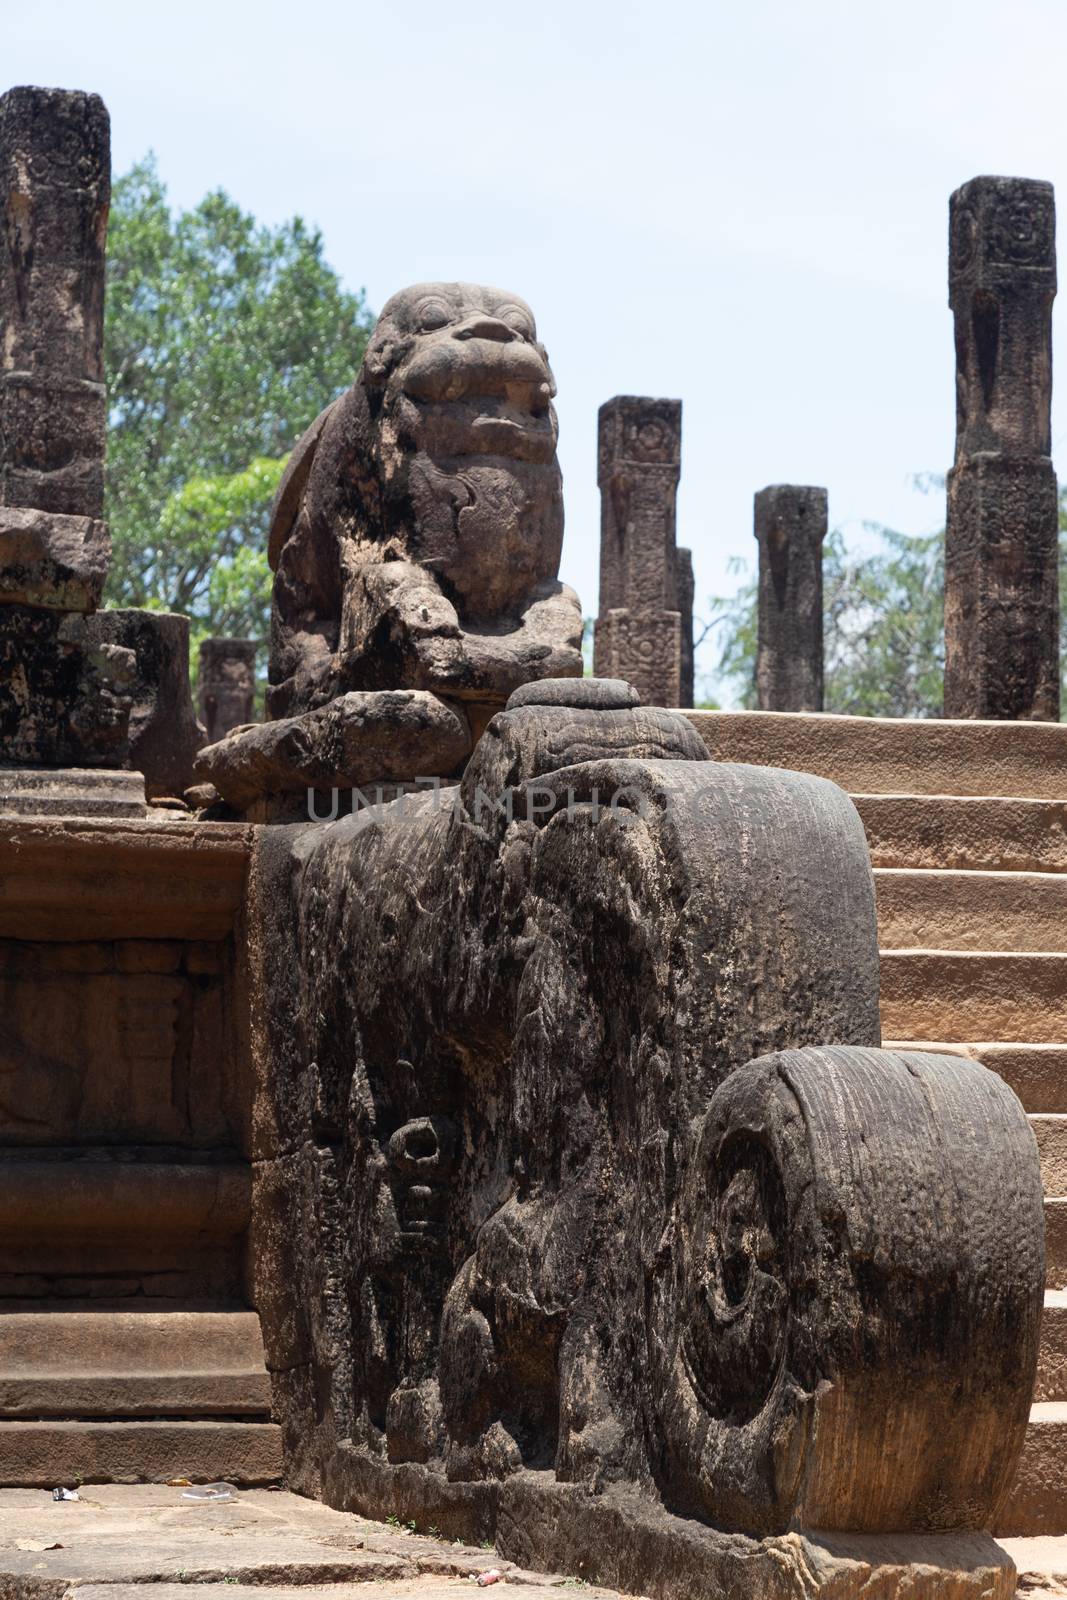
{"x":790,"y":527}
{"x":65,"y":694}
{"x":1002,"y":531}
{"x":639,"y":632}
{"x":227,"y":685}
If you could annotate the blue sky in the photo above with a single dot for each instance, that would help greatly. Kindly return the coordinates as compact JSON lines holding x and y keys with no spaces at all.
{"x":741,"y":206}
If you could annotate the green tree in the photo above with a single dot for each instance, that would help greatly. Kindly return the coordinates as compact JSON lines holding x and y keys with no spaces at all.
{"x":883,"y":620}
{"x":223,"y":340}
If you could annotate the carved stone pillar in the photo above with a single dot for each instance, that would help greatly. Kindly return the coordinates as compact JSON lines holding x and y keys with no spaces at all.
{"x":1002,"y":536}
{"x":65,"y":694}
{"x":639,"y":629}
{"x":790,"y":525}
{"x":55,"y":177}
{"x":227,"y":685}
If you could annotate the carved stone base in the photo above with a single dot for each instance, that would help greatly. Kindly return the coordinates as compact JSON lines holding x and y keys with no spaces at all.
{"x":643,"y":648}
{"x":1002,"y":590}
{"x":70,"y":792}
{"x":619,"y":1540}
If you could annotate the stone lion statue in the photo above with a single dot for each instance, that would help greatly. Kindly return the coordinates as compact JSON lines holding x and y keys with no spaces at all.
{"x":415,"y":541}
{"x":417,"y":531}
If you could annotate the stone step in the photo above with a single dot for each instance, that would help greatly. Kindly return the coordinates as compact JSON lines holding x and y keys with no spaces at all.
{"x":928,"y":908}
{"x":1036,"y":1072}
{"x":40,"y":1454}
{"x":90,"y":1193}
{"x":981,"y":834}
{"x":1050,"y":1131}
{"x":64,"y":1364}
{"x":952,"y":994}
{"x":1037,"y":1501}
{"x":1055,"y":1244}
{"x":893,"y":755}
{"x":1052,"y":1361}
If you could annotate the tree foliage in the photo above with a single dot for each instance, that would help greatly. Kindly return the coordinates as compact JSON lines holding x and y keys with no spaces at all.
{"x":883,"y":620}
{"x":223,"y":340}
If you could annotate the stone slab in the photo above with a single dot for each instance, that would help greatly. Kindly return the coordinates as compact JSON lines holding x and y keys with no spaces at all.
{"x":946,"y":993}
{"x":1050,"y":1131}
{"x":260,"y":1543}
{"x":47,"y":1453}
{"x":47,"y":559}
{"x":1036,"y":1072}
{"x":642,"y":1549}
{"x":71,"y":792}
{"x":1056,"y":1245}
{"x":972,"y":833}
{"x":1006,"y":911}
{"x":88,"y":1195}
{"x":1052,"y":1361}
{"x":896,"y":755}
{"x":1037,"y":1501}
{"x":100,"y":879}
{"x":128,"y":1363}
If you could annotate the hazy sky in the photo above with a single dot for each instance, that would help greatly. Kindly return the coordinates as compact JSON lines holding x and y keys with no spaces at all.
{"x":744,"y":206}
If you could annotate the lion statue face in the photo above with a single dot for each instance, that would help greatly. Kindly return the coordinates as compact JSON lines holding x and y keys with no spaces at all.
{"x":461,"y":392}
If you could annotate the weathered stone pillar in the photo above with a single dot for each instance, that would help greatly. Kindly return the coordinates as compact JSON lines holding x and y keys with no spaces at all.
{"x":790,"y":527}
{"x":686,"y":590}
{"x":1002,"y":538}
{"x":639,"y":629}
{"x":227,"y":685}
{"x":55,"y":178}
{"x":65,"y":693}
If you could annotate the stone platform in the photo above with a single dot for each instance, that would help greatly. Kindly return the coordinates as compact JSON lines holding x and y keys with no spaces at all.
{"x":260,"y":1544}
{"x":266,"y":1543}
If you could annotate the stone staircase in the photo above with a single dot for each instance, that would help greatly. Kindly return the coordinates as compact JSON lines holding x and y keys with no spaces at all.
{"x":97,"y":1394}
{"x":129,"y":1348}
{"x":967,"y":825}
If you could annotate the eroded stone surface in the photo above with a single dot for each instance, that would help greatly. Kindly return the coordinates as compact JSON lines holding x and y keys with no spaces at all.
{"x":491,"y":1175}
{"x":790,"y":526}
{"x":355,"y":740}
{"x":51,"y":560}
{"x":164,"y":732}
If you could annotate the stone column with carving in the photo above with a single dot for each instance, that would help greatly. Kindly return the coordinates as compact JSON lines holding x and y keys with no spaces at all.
{"x":639,"y":629}
{"x":1002,"y":530}
{"x":55,"y":171}
{"x":65,"y":695}
{"x":790,"y":526}
{"x":227,"y":681}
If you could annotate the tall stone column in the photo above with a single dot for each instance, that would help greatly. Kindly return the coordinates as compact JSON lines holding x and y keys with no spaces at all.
{"x":227,"y":685}
{"x":790,"y":525}
{"x":65,"y":695}
{"x":1002,"y":538}
{"x":55,"y":179}
{"x":639,"y":630}
{"x":686,"y":588}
